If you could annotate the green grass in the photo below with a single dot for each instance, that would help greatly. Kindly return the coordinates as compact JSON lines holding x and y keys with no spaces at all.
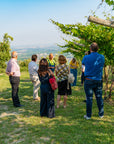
{"x":25,"y":126}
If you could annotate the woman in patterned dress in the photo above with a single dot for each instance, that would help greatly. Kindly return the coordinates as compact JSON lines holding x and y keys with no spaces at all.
{"x":62,"y":71}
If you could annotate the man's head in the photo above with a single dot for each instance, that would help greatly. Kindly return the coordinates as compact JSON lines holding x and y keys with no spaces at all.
{"x":94,"y":47}
{"x":34,"y":58}
{"x":50,"y":56}
{"x":14,"y":54}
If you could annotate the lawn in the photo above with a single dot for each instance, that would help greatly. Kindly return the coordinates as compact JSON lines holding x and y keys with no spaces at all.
{"x":25,"y":126}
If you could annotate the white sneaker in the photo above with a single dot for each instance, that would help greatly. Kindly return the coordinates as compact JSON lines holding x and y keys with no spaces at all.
{"x":101,"y":116}
{"x":86,"y":117}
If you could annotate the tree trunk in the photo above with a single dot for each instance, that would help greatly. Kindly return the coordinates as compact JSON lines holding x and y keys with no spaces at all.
{"x":101,"y":21}
{"x":112,"y":83}
{"x":105,"y":72}
{"x":106,"y":87}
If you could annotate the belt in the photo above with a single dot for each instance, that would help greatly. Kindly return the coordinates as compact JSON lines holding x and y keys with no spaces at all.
{"x":88,"y":79}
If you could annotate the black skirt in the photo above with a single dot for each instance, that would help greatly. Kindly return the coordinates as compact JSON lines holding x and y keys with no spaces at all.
{"x":62,"y":88}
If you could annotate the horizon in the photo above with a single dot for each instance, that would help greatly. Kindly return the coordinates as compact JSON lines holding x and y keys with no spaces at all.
{"x":34,"y":46}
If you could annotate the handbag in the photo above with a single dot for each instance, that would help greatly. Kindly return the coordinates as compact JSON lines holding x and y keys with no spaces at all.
{"x":53,"y":82}
{"x":70,"y":78}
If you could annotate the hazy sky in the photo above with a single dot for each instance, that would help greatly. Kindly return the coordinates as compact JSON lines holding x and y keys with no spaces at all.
{"x":27,"y":21}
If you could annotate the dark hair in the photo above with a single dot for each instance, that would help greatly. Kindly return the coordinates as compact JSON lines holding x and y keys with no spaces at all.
{"x":34,"y":57}
{"x":43,"y":67}
{"x":74,"y":60}
{"x":94,"y":47}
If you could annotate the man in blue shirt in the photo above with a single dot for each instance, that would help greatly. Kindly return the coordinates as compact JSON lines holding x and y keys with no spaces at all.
{"x":94,"y":64}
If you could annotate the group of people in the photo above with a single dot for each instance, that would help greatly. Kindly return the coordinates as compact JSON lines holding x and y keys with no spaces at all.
{"x":93,"y":65}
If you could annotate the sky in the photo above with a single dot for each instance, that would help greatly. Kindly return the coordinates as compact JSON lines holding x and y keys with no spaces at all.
{"x":27,"y":21}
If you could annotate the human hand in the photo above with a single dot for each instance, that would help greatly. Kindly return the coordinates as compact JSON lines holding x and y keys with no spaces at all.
{"x":8,"y":73}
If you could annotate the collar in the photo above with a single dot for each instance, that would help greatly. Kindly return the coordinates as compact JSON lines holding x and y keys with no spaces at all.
{"x":13,"y":59}
{"x":34,"y":61}
{"x":50,"y":60}
{"x":94,"y":52}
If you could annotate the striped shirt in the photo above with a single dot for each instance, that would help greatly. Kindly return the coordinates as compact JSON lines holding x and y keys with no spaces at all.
{"x":62,"y":71}
{"x":33,"y":68}
{"x":12,"y":66}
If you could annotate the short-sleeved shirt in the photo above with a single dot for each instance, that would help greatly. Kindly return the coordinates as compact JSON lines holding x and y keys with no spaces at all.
{"x":12,"y":66}
{"x":62,"y":72}
{"x":73,"y":64}
{"x":51,"y":63}
{"x":94,"y":64}
{"x":33,"y":68}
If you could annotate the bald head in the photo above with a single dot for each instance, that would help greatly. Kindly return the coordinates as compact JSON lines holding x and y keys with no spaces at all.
{"x":50,"y":56}
{"x":14,"y":54}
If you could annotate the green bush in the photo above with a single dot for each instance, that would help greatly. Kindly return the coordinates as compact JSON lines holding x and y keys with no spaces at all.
{"x":24,"y":63}
{"x":2,"y":70}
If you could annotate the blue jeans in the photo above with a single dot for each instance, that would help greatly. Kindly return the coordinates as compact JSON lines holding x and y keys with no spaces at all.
{"x":74,"y":72}
{"x":95,"y":86}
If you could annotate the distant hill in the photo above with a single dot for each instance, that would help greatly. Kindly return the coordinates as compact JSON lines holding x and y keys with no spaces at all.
{"x":27,"y":52}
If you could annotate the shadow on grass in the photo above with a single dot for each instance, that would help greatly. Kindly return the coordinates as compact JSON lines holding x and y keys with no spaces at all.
{"x":25,"y":126}
{"x":30,"y":129}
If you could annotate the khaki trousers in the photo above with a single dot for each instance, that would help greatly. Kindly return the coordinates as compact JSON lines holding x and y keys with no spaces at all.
{"x":36,"y":85}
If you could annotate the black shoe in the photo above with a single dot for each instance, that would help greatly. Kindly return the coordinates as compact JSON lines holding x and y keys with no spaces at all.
{"x":19,"y":105}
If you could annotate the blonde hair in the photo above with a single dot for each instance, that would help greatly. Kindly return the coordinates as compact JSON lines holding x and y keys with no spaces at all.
{"x":62,"y":59}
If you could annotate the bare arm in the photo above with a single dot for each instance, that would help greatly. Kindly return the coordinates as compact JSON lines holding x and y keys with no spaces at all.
{"x":56,"y":70}
{"x":51,"y":73}
{"x":68,"y":69}
{"x":83,"y":68}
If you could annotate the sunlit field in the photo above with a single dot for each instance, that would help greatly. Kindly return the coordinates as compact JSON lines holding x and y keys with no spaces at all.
{"x":25,"y":126}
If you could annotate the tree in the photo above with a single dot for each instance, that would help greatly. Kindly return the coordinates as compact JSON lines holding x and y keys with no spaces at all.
{"x":5,"y":50}
{"x":24,"y":64}
{"x":83,"y":35}
{"x":110,"y":2}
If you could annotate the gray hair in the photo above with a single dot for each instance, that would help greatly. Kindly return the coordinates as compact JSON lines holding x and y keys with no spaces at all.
{"x":13,"y":55}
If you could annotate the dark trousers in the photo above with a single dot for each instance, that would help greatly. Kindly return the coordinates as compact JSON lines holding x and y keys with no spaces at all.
{"x":14,"y":81}
{"x":95,"y":86}
{"x":47,"y":101}
{"x":82,"y":78}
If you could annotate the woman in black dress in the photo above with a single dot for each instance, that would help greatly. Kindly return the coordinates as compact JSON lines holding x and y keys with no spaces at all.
{"x":46,"y":92}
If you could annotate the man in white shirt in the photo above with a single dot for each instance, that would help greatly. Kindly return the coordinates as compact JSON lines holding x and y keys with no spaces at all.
{"x":33,"y":71}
